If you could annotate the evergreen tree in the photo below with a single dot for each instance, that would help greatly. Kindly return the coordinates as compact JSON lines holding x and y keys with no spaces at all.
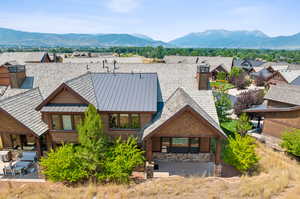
{"x":243,"y":125}
{"x":94,"y":143}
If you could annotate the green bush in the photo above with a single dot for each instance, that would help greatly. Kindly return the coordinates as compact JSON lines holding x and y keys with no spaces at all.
{"x":221,"y":76}
{"x":240,"y":153}
{"x":291,"y":141}
{"x":122,"y":158}
{"x":63,"y":165}
{"x":223,"y":105}
{"x":235,"y":72}
{"x":243,"y":124}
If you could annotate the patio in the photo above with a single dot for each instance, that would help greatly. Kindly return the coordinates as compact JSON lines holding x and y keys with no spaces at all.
{"x":184,"y":169}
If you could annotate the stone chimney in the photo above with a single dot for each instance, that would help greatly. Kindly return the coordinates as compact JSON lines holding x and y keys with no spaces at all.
{"x":203,"y":76}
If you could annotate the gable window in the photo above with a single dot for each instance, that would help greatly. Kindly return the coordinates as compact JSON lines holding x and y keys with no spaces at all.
{"x":124,"y":121}
{"x":65,"y":122}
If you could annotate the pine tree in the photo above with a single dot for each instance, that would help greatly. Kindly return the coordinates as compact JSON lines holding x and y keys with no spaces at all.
{"x":94,"y":144}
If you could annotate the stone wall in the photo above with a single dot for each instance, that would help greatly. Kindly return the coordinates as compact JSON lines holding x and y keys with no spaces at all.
{"x":195,"y":157}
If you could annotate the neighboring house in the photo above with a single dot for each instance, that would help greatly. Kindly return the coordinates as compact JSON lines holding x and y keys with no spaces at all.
{"x":284,"y":77}
{"x":12,"y":75}
{"x":247,"y":64}
{"x":24,"y":57}
{"x":281,"y":111}
{"x":172,"y":113}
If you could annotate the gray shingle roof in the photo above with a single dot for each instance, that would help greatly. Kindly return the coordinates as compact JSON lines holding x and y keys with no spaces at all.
{"x":289,"y":94}
{"x":22,"y":108}
{"x":214,"y":62}
{"x":177,"y":101}
{"x":64,"y":109}
{"x":49,"y":76}
{"x":290,"y":75}
{"x":21,"y":57}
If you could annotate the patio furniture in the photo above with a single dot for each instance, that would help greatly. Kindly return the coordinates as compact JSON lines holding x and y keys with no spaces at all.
{"x":5,"y":156}
{"x":21,"y":167}
{"x":29,"y":156}
{"x":8,"y":170}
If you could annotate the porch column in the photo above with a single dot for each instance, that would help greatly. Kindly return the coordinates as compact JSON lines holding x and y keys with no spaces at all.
{"x":218,"y":151}
{"x":48,"y":141}
{"x":38,"y":147}
{"x":149,"y":149}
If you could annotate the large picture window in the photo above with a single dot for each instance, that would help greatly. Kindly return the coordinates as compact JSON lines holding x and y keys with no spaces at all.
{"x":65,"y":122}
{"x":124,"y":121}
{"x":180,"y":145}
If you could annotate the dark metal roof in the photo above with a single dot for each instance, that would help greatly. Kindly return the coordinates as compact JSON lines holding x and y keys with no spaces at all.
{"x":126,"y":91}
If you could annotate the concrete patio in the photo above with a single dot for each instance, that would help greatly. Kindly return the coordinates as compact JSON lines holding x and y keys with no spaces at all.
{"x":185,"y":169}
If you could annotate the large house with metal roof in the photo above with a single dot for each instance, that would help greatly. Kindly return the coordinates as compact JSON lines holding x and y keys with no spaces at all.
{"x":171,"y":113}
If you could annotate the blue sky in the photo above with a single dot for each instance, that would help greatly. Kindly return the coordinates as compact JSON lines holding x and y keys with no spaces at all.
{"x":160,"y":19}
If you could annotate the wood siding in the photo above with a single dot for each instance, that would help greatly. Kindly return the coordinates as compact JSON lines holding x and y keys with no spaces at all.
{"x":186,"y":125}
{"x":4,"y":76}
{"x":277,"y":79}
{"x":277,"y":123}
{"x":65,"y":97}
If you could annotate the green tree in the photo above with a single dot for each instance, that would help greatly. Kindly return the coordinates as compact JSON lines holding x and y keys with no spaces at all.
{"x":64,"y":165}
{"x":240,"y":153}
{"x":235,"y":72}
{"x":291,"y":141}
{"x":223,"y":105}
{"x":93,"y":142}
{"x":122,"y":158}
{"x":243,"y":125}
{"x":221,"y":76}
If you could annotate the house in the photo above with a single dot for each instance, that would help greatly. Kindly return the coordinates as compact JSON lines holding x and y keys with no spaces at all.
{"x":247,"y":64}
{"x":12,"y":75}
{"x":172,"y":114}
{"x":281,"y":110}
{"x":24,"y":57}
{"x":283,"y":77}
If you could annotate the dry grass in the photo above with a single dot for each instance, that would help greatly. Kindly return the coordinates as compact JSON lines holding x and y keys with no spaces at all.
{"x":279,"y":177}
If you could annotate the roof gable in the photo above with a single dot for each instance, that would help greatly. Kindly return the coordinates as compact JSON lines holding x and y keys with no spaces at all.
{"x":178,"y":101}
{"x":289,"y":94}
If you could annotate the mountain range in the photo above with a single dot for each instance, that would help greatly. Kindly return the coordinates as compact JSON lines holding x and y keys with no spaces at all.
{"x":206,"y":39}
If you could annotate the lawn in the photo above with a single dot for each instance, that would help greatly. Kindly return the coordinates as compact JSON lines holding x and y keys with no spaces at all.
{"x":225,"y":85}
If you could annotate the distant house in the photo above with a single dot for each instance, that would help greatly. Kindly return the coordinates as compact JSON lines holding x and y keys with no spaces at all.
{"x":24,"y":57}
{"x":284,"y":77}
{"x":12,"y":75}
{"x":173,"y":118}
{"x":247,"y":64}
{"x":281,"y":111}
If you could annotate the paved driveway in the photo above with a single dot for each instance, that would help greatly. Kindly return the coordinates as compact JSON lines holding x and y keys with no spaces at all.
{"x":175,"y":168}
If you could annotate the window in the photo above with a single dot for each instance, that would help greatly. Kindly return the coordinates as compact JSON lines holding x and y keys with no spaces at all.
{"x":56,"y":122}
{"x":67,"y":122}
{"x":135,"y":121}
{"x":180,"y":145}
{"x":124,"y":121}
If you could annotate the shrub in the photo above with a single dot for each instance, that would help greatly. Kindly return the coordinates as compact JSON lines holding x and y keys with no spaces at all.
{"x":247,"y":99}
{"x":221,"y":76}
{"x":240,"y":153}
{"x":235,"y":72}
{"x":122,"y":158}
{"x":63,"y":165}
{"x":223,"y":105}
{"x":243,"y":125}
{"x":291,"y":141}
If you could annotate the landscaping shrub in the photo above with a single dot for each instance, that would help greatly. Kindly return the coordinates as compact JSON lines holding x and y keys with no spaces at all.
{"x":63,"y":165}
{"x":223,"y":105}
{"x":221,"y":76}
{"x":291,"y":141}
{"x":259,"y":81}
{"x":122,"y":158}
{"x":243,"y":125}
{"x":235,"y":72}
{"x":247,"y":99}
{"x":240,"y":153}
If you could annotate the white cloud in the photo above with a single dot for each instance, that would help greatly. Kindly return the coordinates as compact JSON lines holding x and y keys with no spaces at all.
{"x":123,"y":6}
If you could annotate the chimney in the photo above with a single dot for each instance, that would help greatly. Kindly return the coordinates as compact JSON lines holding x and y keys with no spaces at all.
{"x":17,"y":75}
{"x":203,"y":76}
